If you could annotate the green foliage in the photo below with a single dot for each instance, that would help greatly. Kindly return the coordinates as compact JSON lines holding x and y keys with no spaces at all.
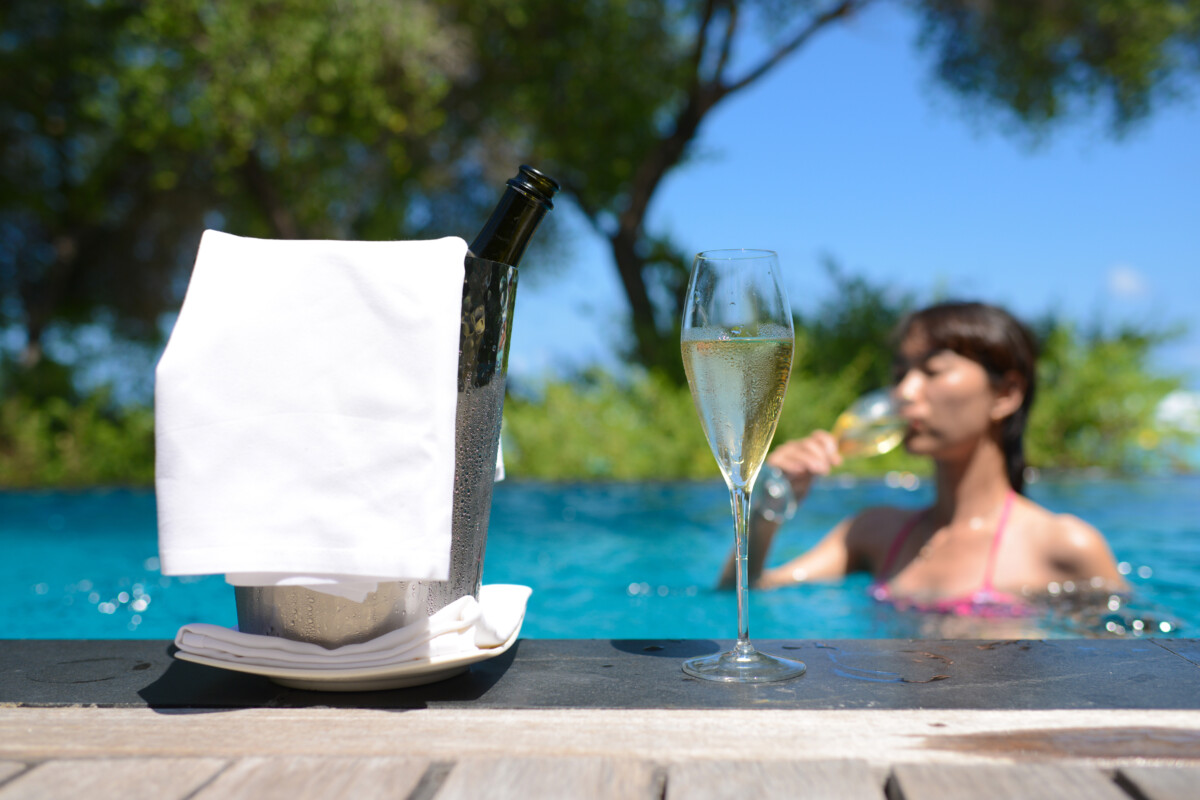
{"x":135,"y":125}
{"x":1036,"y":60}
{"x":856,"y":313}
{"x":1095,"y":409}
{"x":647,"y":429}
{"x":1097,"y":403}
{"x":127,"y":126}
{"x":57,"y":443}
{"x":586,"y":85}
{"x":275,"y":110}
{"x":602,"y":428}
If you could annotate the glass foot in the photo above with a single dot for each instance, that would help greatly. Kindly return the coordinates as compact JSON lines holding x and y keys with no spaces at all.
{"x":743,"y":667}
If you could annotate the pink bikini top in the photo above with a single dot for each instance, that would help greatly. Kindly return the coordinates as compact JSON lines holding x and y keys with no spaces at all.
{"x":985,"y":602}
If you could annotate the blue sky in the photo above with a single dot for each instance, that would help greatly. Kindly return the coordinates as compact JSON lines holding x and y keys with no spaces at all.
{"x":849,"y":150}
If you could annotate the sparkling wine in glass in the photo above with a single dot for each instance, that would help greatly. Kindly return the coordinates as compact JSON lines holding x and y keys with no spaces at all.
{"x":870,"y":426}
{"x":737,"y":345}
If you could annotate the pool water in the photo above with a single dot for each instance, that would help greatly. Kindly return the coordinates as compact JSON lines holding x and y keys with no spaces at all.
{"x":608,"y":561}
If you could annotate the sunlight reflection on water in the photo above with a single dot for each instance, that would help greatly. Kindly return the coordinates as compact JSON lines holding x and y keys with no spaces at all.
{"x":614,"y":561}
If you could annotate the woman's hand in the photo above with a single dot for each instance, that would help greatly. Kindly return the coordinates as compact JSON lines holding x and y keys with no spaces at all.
{"x":803,"y":459}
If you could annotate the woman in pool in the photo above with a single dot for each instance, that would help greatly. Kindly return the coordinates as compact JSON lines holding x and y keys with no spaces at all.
{"x":964,"y":378}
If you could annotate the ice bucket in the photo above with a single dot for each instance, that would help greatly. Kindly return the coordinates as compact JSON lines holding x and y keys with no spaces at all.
{"x":294,"y":612}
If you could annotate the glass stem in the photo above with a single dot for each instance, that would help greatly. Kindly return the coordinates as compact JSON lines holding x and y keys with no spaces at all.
{"x":741,"y":518}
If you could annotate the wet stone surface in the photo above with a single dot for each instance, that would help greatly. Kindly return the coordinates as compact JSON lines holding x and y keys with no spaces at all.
{"x":567,"y":673}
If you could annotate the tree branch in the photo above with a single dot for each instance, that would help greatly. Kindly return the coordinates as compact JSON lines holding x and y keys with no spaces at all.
{"x":843,"y":9}
{"x":627,"y":241}
{"x":710,"y":8}
{"x":731,"y":25}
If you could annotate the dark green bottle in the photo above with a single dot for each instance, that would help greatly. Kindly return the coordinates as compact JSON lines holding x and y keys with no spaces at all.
{"x":525,"y":201}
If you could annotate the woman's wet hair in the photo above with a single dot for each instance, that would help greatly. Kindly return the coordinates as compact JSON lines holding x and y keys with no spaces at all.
{"x":1001,"y":344}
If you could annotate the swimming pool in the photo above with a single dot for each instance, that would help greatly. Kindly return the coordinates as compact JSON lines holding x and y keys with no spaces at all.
{"x":604,"y":560}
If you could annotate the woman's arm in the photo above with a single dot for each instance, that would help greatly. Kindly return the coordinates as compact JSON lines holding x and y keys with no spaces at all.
{"x":830,"y":558}
{"x":762,"y":533}
{"x":857,"y":543}
{"x":800,"y":460}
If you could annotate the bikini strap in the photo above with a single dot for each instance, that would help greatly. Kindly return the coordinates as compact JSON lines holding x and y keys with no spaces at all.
{"x":990,"y":568}
{"x":897,"y":543}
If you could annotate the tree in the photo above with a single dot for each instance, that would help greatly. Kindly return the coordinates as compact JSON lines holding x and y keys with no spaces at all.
{"x":1034,"y":61}
{"x":128,"y":126}
{"x":279,"y":118}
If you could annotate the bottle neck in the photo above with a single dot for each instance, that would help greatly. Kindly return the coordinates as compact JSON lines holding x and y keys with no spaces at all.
{"x":507,"y":232}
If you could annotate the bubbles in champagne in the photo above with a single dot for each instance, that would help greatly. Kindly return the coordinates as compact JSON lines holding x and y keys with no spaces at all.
{"x":738,"y":385}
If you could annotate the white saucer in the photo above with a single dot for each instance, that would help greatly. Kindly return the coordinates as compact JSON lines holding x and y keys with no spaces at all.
{"x":416,"y":672}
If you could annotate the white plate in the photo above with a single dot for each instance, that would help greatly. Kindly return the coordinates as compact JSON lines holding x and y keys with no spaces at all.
{"x":394,"y":676}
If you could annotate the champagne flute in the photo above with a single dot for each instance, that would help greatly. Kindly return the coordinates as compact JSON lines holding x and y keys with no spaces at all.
{"x":737,"y":346}
{"x":870,"y":426}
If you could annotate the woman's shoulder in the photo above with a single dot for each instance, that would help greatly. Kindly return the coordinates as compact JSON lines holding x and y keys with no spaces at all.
{"x":1055,"y":529}
{"x":1066,"y":540}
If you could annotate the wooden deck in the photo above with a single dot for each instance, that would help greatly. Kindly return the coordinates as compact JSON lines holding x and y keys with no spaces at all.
{"x":322,"y":753}
{"x":578,"y":719}
{"x":295,"y":777}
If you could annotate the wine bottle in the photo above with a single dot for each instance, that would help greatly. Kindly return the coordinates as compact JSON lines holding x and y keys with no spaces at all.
{"x":525,"y":201}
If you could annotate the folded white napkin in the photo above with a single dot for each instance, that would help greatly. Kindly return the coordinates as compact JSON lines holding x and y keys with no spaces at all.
{"x":304,"y":412}
{"x":464,"y":627}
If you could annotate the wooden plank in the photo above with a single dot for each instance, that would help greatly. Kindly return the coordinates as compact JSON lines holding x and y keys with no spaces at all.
{"x":767,"y":780}
{"x":1162,"y":783}
{"x":579,"y":777}
{"x":9,"y":768}
{"x":113,"y":778}
{"x":1000,"y":782}
{"x":301,"y":777}
{"x":882,"y":738}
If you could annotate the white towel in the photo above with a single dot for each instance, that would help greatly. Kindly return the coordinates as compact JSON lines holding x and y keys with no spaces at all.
{"x":464,"y":627}
{"x":304,"y":412}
